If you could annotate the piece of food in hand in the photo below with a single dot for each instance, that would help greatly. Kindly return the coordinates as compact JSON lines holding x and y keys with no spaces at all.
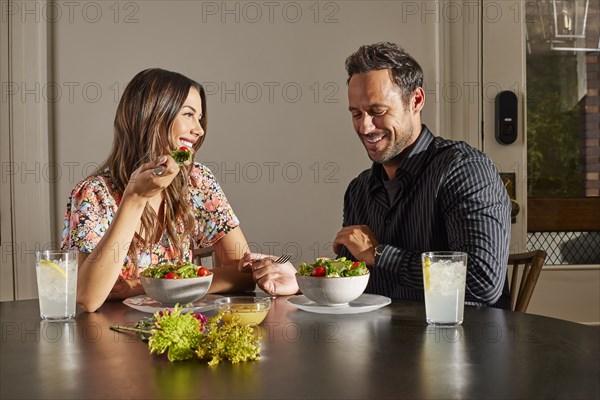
{"x":175,"y":271}
{"x":181,"y":155}
{"x":330,"y":268}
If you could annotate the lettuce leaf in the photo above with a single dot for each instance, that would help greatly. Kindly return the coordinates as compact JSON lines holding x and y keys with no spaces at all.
{"x":338,"y":268}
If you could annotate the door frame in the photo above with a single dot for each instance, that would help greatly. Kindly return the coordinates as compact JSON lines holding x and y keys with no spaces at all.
{"x":503,"y":68}
{"x":26,"y":201}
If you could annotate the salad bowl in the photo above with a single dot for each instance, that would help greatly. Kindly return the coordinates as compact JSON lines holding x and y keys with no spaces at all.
{"x":332,"y":282}
{"x":332,"y":291}
{"x":182,"y":290}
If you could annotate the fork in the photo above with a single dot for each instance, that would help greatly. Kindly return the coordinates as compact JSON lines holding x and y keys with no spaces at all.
{"x":283,"y":259}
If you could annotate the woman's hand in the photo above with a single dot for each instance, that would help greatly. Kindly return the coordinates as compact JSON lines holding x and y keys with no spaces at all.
{"x":152,"y":178}
{"x":125,"y":288}
{"x":275,"y":279}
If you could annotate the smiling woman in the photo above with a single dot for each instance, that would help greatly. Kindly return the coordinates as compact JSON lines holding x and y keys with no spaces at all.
{"x":146,"y":205}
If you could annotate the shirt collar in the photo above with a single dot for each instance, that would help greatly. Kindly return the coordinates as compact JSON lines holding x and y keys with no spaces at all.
{"x":409,"y":163}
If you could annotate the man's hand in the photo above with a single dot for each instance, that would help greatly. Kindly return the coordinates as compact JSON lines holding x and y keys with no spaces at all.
{"x":275,"y":279}
{"x":359,"y":240}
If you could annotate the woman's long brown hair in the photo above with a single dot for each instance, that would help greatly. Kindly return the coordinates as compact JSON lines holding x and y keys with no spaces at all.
{"x":142,"y":133}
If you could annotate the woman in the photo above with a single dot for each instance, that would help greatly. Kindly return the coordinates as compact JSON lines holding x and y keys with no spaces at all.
{"x":140,"y":208}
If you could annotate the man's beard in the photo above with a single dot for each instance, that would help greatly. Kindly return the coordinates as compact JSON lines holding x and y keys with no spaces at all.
{"x":394,"y":150}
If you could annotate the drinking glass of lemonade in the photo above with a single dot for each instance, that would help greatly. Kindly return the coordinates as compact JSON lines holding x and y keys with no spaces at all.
{"x":56,"y":272}
{"x":444,"y":278}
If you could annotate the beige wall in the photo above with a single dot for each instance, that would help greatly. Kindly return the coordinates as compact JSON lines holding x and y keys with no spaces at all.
{"x":283,"y":159}
{"x":280,"y":139}
{"x":566,"y":292}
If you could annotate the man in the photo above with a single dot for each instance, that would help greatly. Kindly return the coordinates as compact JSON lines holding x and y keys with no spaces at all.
{"x":423,"y":193}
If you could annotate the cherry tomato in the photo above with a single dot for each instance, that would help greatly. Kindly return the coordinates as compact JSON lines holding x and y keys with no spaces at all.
{"x":354,"y":265}
{"x":183,"y":148}
{"x":203,"y":271}
{"x":319,"y":271}
{"x":172,"y":275}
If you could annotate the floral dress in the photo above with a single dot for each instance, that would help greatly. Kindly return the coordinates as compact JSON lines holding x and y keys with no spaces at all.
{"x":94,"y":201}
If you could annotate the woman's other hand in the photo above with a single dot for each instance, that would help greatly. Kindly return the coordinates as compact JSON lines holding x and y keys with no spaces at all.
{"x":275,"y":279}
{"x":125,"y":288}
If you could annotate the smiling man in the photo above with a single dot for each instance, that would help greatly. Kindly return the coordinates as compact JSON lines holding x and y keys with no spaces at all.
{"x":422,"y":193}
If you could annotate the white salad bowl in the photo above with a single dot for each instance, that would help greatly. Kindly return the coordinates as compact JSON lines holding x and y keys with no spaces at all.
{"x":332,"y":291}
{"x":172,"y":291}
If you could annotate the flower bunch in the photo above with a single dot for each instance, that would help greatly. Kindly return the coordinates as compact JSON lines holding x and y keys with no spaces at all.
{"x":192,"y":335}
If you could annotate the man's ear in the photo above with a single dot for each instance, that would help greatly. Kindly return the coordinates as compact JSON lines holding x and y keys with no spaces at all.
{"x":418,"y":100}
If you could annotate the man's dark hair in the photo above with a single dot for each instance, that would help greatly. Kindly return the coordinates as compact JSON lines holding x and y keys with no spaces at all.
{"x":406,"y":71}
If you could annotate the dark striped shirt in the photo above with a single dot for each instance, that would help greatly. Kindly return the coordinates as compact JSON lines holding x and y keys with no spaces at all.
{"x":451,"y":197}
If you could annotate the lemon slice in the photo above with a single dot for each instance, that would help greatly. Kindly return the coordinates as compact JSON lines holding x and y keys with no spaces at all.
{"x":426,"y":273}
{"x":50,"y":264}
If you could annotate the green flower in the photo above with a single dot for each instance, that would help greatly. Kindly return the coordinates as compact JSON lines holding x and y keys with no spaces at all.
{"x":177,"y":334}
{"x":186,"y":336}
{"x":228,"y":340}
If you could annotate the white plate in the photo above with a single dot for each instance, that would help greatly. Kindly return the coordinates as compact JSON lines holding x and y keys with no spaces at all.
{"x":365,"y":303}
{"x":145,"y":304}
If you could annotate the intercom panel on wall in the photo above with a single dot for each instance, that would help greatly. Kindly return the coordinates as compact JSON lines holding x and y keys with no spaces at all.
{"x":506,"y":117}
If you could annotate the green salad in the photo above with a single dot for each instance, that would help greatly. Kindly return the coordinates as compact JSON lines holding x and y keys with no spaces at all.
{"x":329,"y":268}
{"x":174,"y":271}
{"x":181,"y":155}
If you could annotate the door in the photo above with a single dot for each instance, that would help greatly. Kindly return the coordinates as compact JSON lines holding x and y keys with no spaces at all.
{"x":555,"y":158}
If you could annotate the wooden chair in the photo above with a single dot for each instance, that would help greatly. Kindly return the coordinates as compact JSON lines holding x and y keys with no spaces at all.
{"x":206,"y":257}
{"x":527,"y":267}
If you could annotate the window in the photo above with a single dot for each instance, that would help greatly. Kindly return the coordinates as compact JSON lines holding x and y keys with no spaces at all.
{"x":563,"y":128}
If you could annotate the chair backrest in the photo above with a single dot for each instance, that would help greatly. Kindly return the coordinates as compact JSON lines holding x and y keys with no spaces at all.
{"x":528,"y":266}
{"x":206,"y":257}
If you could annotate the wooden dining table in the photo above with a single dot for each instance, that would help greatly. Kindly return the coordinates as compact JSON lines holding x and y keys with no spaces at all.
{"x":389,"y":353}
